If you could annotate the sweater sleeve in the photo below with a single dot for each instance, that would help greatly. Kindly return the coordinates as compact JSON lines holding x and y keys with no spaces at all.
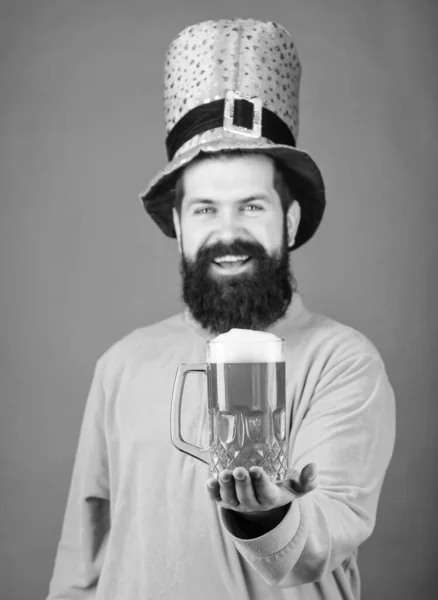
{"x":85,"y":529}
{"x":348,"y":430}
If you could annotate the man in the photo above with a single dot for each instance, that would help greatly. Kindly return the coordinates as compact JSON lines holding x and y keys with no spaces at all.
{"x":145,"y":521}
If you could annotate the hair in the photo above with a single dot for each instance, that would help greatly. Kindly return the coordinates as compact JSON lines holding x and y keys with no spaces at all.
{"x":281,"y":185}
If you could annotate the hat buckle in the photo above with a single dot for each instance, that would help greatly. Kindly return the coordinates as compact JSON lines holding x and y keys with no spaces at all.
{"x":240,"y":108}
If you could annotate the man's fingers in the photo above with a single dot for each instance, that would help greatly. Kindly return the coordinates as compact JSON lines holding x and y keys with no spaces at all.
{"x":308,"y":479}
{"x":265,"y":491}
{"x":304,"y":482}
{"x":227,"y":489}
{"x":244,"y":489}
{"x":308,"y":474}
{"x":213,"y":489}
{"x":254,"y":491}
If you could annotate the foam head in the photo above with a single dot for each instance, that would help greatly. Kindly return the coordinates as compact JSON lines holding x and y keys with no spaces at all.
{"x":245,"y":346}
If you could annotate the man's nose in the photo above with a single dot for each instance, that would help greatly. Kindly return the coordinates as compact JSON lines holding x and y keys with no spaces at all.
{"x":228,"y":227}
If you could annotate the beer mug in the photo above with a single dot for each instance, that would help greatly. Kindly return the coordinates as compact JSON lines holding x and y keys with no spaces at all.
{"x":245,"y":373}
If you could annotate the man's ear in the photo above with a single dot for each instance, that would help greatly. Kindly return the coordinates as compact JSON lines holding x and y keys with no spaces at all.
{"x":293,"y":220}
{"x":177,"y":227}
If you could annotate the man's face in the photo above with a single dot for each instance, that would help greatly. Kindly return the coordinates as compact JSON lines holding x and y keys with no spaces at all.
{"x":233,"y":237}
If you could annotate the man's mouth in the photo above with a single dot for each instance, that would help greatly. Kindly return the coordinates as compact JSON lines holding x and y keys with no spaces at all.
{"x":231,"y":263}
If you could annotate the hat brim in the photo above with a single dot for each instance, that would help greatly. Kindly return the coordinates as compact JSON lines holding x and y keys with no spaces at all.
{"x":301,"y":173}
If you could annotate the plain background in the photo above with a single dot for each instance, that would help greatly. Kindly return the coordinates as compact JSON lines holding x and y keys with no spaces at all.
{"x":81,"y":129}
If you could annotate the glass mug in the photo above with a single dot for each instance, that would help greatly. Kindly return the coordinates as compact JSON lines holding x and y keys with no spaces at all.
{"x":246,"y":404}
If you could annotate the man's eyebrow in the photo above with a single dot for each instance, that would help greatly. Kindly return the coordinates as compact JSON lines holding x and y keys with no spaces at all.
{"x":199,"y":201}
{"x":254,"y":197}
{"x":208,"y":201}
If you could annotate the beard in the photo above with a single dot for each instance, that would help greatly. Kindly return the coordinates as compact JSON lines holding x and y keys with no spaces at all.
{"x":255,"y":299}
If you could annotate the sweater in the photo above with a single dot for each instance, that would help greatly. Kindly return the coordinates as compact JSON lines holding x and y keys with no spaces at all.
{"x":139,"y":524}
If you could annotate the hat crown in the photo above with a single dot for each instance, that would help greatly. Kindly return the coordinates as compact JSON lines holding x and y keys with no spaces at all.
{"x":255,"y":58}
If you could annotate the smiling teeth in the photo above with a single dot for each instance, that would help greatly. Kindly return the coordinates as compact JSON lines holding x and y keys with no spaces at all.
{"x":231,"y":259}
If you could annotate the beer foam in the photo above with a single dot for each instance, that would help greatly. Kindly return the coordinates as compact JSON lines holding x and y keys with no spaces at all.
{"x":245,"y":346}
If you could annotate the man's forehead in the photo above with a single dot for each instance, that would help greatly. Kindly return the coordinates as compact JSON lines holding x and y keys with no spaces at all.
{"x":230,"y":177}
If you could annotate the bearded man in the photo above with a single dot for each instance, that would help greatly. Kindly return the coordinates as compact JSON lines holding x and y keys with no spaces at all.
{"x":145,"y":521}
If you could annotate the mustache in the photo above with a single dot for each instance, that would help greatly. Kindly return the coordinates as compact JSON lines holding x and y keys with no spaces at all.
{"x":236,"y":247}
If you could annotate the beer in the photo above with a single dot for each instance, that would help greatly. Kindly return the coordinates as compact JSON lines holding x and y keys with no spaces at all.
{"x":246,"y":405}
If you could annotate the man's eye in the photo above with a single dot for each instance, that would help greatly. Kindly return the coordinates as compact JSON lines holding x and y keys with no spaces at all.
{"x":252,"y":208}
{"x":204,"y":210}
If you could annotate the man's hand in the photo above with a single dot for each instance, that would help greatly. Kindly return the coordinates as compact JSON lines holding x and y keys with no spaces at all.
{"x":252,"y":493}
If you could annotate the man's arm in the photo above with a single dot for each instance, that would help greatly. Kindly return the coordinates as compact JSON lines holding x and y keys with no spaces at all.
{"x":86,"y":524}
{"x":348,"y":432}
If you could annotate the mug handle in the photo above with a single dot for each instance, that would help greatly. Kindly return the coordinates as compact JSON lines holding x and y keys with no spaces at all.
{"x":201,"y":454}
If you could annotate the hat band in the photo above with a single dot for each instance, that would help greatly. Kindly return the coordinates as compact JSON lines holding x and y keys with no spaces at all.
{"x":205,"y":117}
